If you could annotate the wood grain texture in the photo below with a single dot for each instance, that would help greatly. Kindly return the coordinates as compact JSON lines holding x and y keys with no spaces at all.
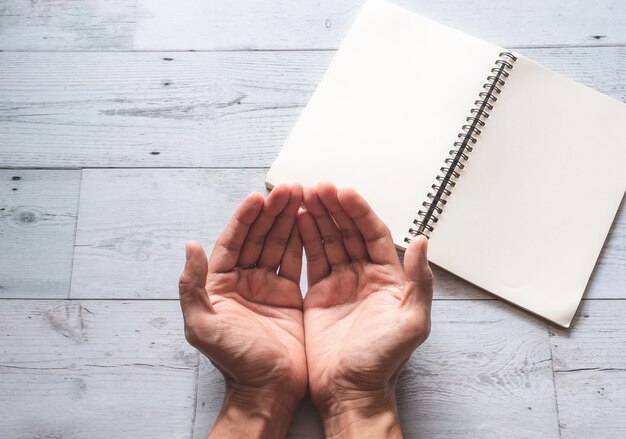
{"x":323,"y":23}
{"x":37,"y":221}
{"x":95,"y":369}
{"x":598,"y":340}
{"x":592,"y":404}
{"x":67,"y":25}
{"x":590,"y":371}
{"x":484,"y":372}
{"x":608,"y":279}
{"x":133,"y":226}
{"x":151,"y":109}
{"x":282,"y":24}
{"x":188,"y":109}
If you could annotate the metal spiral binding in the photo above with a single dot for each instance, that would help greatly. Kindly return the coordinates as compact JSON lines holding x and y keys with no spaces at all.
{"x":450,"y":172}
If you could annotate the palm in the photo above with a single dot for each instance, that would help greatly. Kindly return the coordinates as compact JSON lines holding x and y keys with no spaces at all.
{"x":349,"y":339}
{"x":258,"y":306}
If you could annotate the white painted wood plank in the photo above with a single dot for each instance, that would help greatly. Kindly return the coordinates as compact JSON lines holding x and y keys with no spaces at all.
{"x":592,"y":404}
{"x":95,"y":369}
{"x":608,"y":280}
{"x":37,"y":223}
{"x":188,"y":109}
{"x":133,"y":225}
{"x":590,"y":371}
{"x":598,"y":339}
{"x":484,"y":372}
{"x":284,"y":24}
{"x":67,"y":25}
{"x":151,"y":109}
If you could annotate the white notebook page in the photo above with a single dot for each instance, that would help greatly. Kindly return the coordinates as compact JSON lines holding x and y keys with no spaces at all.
{"x":534,"y":204}
{"x":387,"y":111}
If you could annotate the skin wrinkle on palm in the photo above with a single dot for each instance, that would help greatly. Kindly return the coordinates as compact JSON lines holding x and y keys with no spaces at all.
{"x":359,"y":322}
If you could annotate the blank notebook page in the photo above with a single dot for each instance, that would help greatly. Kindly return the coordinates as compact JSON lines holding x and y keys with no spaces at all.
{"x":531,"y":210}
{"x":387,"y":111}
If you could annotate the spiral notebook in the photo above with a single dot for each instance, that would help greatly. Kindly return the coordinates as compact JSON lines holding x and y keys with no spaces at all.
{"x":513,"y":171}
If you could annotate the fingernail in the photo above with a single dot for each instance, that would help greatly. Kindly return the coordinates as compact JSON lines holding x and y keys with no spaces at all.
{"x":187,"y":252}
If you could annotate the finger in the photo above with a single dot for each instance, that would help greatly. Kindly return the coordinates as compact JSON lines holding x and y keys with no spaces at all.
{"x":253,"y":243}
{"x":316,"y":262}
{"x":227,"y":249}
{"x":276,"y":240}
{"x":377,"y":237}
{"x":192,"y":284}
{"x":417,"y":270}
{"x":331,"y":237}
{"x":352,"y":238}
{"x":291,"y":264}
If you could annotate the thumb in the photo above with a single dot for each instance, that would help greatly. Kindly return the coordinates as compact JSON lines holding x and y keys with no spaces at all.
{"x":192,"y":283}
{"x":416,"y":266}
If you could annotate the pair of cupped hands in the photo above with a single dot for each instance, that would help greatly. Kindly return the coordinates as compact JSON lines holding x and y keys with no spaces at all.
{"x":346,"y":341}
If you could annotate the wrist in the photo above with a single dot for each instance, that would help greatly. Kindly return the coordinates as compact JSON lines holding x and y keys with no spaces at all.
{"x":361,"y":414}
{"x":254,"y":413}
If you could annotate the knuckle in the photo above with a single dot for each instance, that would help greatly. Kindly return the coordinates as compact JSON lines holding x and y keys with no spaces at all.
{"x":425,"y":281}
{"x":426,"y":331}
{"x":311,"y":241}
{"x":428,"y":274}
{"x":256,"y":239}
{"x":331,"y":238}
{"x":315,"y":257}
{"x":349,"y":233}
{"x":278,"y":240}
{"x":230,"y":246}
{"x":190,"y":336}
{"x":418,"y":325}
{"x":293,"y":253}
{"x":184,"y":281}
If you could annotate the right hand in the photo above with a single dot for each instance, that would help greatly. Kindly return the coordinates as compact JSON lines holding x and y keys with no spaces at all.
{"x":363,"y":315}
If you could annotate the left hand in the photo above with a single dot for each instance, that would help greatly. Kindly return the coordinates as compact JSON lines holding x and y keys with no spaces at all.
{"x":243,"y":307}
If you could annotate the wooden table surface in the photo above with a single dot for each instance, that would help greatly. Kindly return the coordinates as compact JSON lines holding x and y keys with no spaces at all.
{"x":129,"y":126}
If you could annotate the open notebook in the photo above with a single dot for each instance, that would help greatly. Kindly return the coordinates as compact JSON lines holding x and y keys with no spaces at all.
{"x":514,"y":171}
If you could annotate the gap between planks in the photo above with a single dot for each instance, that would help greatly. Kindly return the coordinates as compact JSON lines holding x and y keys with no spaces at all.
{"x":305,"y":49}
